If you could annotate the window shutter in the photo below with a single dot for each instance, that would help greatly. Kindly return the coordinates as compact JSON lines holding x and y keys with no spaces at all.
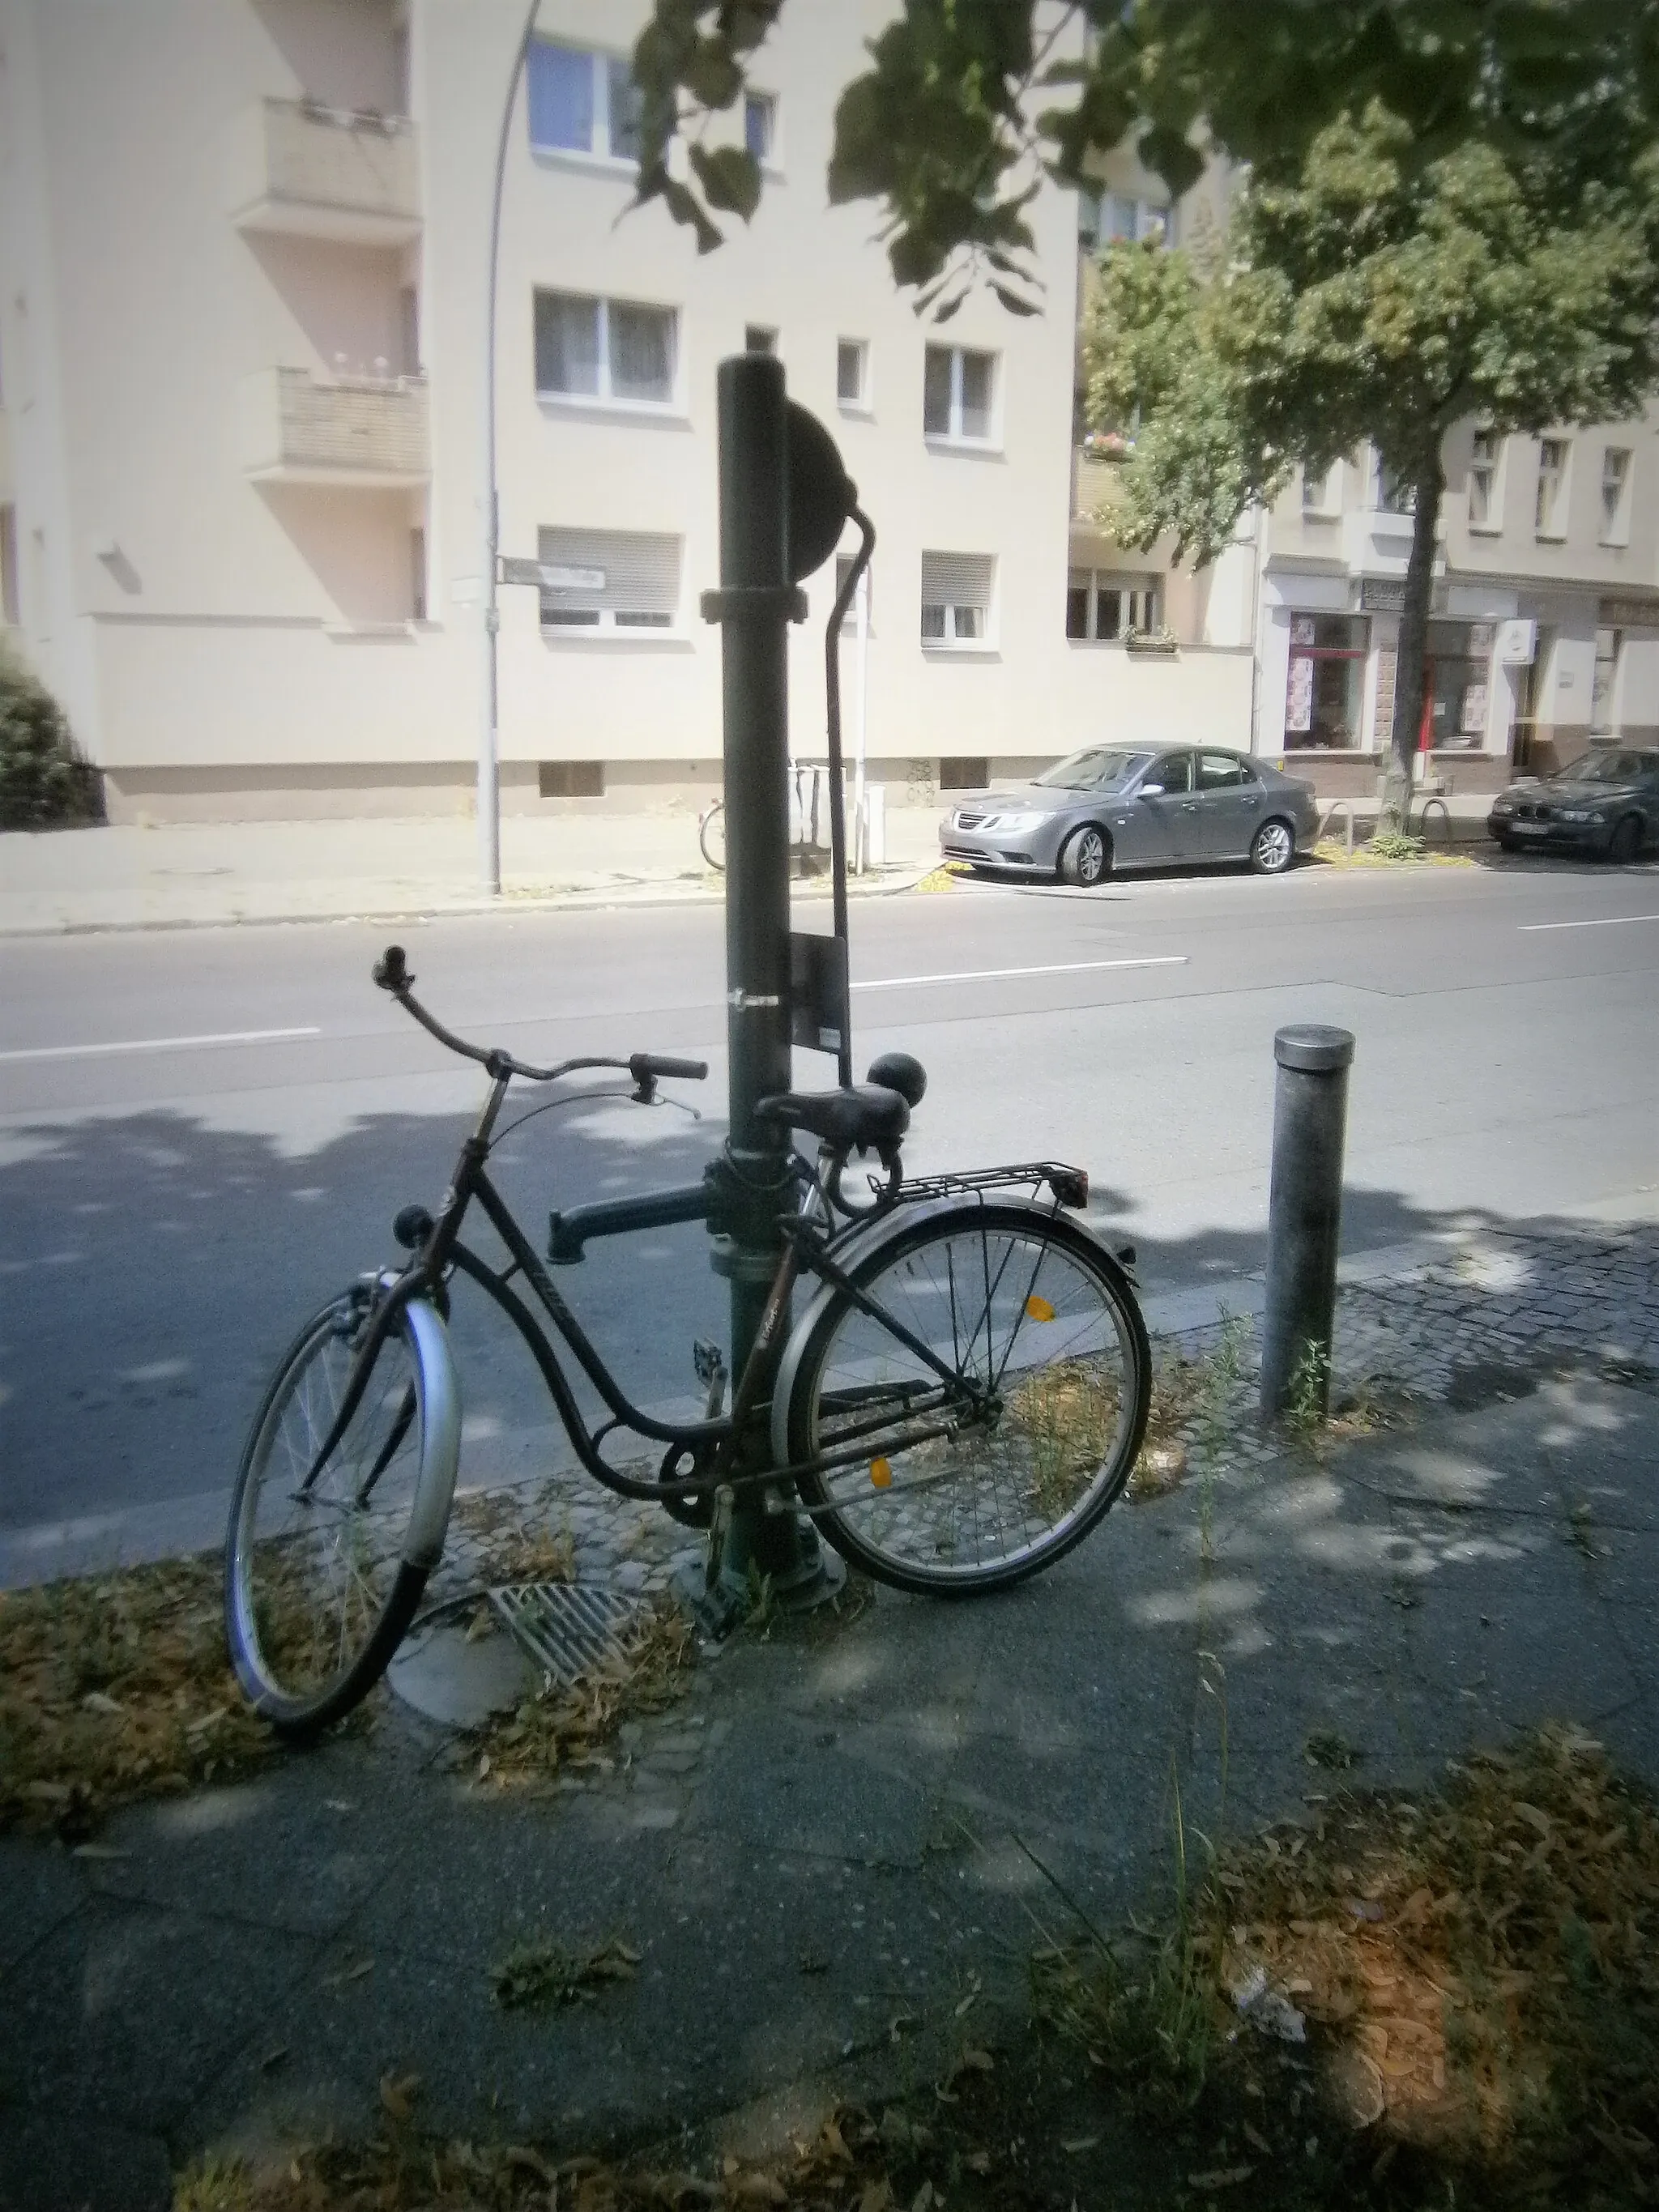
{"x":641,"y":570}
{"x":956,"y":579}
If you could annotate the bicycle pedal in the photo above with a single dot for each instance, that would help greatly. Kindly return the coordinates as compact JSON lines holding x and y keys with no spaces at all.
{"x":708,"y":1361}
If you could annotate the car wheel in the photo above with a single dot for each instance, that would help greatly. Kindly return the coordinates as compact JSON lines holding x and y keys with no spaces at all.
{"x":1503,"y":844}
{"x":1087,"y":857}
{"x":1626,"y":841}
{"x":1272,"y":848}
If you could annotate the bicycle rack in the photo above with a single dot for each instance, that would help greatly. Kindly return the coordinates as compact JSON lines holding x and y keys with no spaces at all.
{"x":1338,"y":806}
{"x":1422,"y":817}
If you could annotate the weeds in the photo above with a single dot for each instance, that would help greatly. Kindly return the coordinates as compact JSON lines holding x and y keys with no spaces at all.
{"x":1310,"y":1390}
{"x":1396,"y":845}
{"x":1221,"y":1376}
{"x":540,"y":1975}
{"x":116,"y":1688}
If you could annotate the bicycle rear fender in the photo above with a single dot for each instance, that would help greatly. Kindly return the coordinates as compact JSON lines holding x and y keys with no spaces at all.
{"x":441,"y":1452}
{"x":862,"y":1245}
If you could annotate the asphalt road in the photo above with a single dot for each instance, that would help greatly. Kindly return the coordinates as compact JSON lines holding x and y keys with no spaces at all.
{"x":203,"y":1133}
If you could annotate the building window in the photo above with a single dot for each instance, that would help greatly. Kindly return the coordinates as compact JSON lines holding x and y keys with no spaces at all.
{"x":609,"y":580}
{"x":760,"y":126}
{"x":1119,"y":218}
{"x":853,"y":372}
{"x":581,"y":102}
{"x":417,"y":575}
{"x":611,"y":351}
{"x":850,"y":620}
{"x":1483,"y":481}
{"x":1457,"y":686}
{"x":958,"y":388}
{"x":1321,"y":490}
{"x":9,"y":607}
{"x":964,"y":772}
{"x":756,"y":338}
{"x":1324,"y":697}
{"x":956,"y":598}
{"x":1549,"y":510}
{"x":570,"y":779}
{"x":1390,"y":494}
{"x":1615,"y":496}
{"x":1608,"y":645}
{"x":1100,"y":607}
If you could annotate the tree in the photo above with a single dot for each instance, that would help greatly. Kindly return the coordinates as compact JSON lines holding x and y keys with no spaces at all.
{"x":969,"y":102}
{"x":1365,"y":297}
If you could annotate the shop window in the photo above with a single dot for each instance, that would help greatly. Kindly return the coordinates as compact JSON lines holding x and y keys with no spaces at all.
{"x":1483,"y":482}
{"x":1604,"y":683}
{"x":1615,"y":496}
{"x":1457,"y":687}
{"x":570,"y":779}
{"x":1550,"y":507}
{"x":609,"y":580}
{"x":958,"y":391}
{"x":613,"y":351}
{"x":1325,"y":693}
{"x":956,"y":598}
{"x":966,"y":772}
{"x":581,"y":102}
{"x":1101,"y":606}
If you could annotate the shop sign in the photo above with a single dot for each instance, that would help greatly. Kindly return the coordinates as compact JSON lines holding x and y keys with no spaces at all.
{"x":1480,"y":640}
{"x":1517,"y":643}
{"x":1381,"y":595}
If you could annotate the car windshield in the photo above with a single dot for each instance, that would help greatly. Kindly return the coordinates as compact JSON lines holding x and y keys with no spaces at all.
{"x":1610,"y":767}
{"x":1095,"y":768}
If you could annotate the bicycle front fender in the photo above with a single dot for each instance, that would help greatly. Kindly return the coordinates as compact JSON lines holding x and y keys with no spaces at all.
{"x":440,"y":1435}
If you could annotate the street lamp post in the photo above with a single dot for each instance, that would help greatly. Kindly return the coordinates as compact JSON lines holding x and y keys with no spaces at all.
{"x":489,"y":800}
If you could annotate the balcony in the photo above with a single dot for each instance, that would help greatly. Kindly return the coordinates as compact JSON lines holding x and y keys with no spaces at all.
{"x":364,"y":431}
{"x":308,"y":171}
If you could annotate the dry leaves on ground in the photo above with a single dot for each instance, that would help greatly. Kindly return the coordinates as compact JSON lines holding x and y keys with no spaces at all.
{"x":565,"y":1730}
{"x":116,"y":1688}
{"x":512,"y":1537}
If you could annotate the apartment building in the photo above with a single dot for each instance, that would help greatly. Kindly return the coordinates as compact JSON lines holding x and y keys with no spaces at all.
{"x":243,"y":281}
{"x":1544,"y":628}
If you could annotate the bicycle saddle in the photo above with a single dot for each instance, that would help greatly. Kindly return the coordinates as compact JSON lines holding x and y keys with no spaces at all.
{"x":865,"y":1115}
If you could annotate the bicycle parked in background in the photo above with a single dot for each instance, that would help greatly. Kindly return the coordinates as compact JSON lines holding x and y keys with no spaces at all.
{"x":958,"y":1400}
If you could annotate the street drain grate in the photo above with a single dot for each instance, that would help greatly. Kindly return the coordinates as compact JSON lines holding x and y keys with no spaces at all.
{"x":564,"y":1628}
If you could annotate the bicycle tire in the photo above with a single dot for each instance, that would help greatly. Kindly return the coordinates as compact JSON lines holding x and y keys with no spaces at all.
{"x":322,"y":1580}
{"x":994,"y":1502}
{"x":711,"y":835}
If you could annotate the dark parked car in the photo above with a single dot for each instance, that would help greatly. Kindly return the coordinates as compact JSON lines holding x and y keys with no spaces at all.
{"x":1136,"y":807}
{"x":1606,"y":802}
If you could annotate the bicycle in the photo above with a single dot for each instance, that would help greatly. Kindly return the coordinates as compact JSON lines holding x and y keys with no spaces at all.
{"x":959,"y":1401}
{"x":711,"y":835}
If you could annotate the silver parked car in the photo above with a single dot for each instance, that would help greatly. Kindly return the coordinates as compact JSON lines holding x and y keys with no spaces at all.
{"x":1133,"y":807}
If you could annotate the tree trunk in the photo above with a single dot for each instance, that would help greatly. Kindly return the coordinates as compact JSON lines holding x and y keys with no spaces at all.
{"x":1409,"y":666}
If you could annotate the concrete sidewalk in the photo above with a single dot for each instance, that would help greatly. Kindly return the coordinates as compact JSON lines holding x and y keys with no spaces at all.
{"x":208,"y":873}
{"x":820,"y":1853}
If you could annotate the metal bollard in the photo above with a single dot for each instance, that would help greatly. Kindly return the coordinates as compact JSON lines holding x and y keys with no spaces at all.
{"x":1304,"y":1214}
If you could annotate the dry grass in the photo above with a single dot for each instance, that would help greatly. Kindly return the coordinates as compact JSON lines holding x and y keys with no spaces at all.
{"x":1335,"y":852}
{"x":1066,"y":1414}
{"x":535,"y":1975}
{"x":943,"y":878}
{"x":565,"y":1731}
{"x":511,"y":1538}
{"x":1177,"y":1387}
{"x":117,"y":1689}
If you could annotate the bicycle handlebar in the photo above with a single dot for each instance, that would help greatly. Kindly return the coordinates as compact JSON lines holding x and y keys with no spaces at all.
{"x":391,"y":972}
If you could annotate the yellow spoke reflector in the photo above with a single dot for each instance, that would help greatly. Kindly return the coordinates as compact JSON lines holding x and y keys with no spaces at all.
{"x":1039,"y":1308}
{"x":881,"y":1474}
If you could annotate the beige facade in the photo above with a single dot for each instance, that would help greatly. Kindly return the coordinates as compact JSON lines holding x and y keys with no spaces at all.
{"x":243,"y":275}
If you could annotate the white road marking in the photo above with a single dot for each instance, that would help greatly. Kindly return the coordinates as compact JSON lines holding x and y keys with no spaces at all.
{"x":1004,"y":974}
{"x":158,"y":1044}
{"x":1601,"y":921}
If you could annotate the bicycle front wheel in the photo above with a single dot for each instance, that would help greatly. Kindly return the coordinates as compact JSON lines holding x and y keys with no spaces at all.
{"x":326,"y":1559}
{"x":711,"y":837}
{"x":974,"y":1478}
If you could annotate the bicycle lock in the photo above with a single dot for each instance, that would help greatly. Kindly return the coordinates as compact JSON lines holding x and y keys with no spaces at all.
{"x":785,"y":499}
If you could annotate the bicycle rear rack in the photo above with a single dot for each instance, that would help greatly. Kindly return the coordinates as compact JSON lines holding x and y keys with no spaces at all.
{"x":1069,"y":1185}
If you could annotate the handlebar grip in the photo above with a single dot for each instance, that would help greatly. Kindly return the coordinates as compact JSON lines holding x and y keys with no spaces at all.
{"x":641,"y":1064}
{"x":390,"y":970}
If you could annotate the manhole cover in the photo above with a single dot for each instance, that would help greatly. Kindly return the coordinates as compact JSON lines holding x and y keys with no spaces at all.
{"x":564,"y":1628}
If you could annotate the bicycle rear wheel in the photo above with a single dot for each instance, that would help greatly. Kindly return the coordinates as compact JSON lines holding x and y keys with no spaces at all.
{"x":971,"y":1483}
{"x":324,"y":1564}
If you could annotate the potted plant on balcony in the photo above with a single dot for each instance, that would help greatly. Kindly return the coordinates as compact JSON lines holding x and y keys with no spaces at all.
{"x":1160,"y":639}
{"x":1107,"y":446}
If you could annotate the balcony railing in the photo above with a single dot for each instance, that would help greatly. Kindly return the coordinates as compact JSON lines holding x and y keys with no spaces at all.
{"x":317,"y":172}
{"x":370,"y":431}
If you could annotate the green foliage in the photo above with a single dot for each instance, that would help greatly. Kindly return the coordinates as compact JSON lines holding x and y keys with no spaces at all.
{"x":955,"y":119}
{"x":43,"y":783}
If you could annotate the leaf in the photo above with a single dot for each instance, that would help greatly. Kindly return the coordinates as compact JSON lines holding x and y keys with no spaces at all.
{"x":397,"y":2093}
{"x":730,"y":177}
